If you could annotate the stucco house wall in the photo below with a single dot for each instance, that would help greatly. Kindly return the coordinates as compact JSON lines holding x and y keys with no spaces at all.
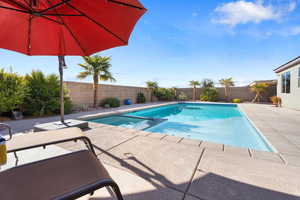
{"x":292,"y":99}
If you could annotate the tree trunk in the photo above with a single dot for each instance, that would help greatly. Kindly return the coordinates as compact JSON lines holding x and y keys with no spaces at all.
{"x":194,"y":93}
{"x":61,"y":61}
{"x":256,"y":97}
{"x":95,"y":88}
{"x":226,"y":93}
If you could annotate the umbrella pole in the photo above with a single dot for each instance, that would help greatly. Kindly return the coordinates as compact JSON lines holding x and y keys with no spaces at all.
{"x":61,"y":61}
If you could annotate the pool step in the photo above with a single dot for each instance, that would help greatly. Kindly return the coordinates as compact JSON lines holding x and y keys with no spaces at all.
{"x":155,"y":121}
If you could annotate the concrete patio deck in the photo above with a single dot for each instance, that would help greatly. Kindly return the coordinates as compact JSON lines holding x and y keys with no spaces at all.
{"x":154,"y":166}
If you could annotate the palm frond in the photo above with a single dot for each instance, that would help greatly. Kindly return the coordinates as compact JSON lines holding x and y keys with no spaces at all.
{"x":98,"y":66}
{"x":194,"y":83}
{"x":83,"y":75}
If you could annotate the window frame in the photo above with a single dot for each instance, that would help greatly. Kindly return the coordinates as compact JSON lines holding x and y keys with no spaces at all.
{"x":286,"y":82}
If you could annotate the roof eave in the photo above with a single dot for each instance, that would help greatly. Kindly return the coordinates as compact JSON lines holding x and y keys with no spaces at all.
{"x":287,"y":65}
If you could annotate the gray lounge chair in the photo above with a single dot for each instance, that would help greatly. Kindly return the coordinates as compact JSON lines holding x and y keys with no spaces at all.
{"x":64,"y":177}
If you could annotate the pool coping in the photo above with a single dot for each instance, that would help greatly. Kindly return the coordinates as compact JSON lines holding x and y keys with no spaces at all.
{"x":274,"y":150}
{"x":216,"y":147}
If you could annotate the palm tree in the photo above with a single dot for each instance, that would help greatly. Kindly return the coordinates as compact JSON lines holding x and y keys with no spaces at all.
{"x":227,"y":83}
{"x":98,"y":67}
{"x":207,"y":83}
{"x":194,"y":84}
{"x":151,"y":85}
{"x":258,"y":88}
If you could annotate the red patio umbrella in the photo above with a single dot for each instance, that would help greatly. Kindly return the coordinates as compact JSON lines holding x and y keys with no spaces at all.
{"x":66,"y":27}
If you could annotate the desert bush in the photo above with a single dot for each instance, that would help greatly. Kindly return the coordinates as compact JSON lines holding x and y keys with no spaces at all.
{"x":209,"y":94}
{"x":182,"y":97}
{"x":42,"y":95}
{"x":113,"y":102}
{"x":236,"y":101}
{"x":11,"y":91}
{"x":276,"y":101}
{"x":140,"y":98}
{"x":164,"y":94}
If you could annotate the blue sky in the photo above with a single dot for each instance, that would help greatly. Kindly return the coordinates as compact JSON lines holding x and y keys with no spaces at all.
{"x":181,"y":40}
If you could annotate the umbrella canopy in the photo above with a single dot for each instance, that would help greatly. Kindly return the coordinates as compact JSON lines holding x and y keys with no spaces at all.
{"x":66,"y":27}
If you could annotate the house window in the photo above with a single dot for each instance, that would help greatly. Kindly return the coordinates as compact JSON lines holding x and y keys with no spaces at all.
{"x":286,"y":82}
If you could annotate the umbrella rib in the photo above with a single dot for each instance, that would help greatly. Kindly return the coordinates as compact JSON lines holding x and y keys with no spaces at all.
{"x":53,"y":20}
{"x":126,"y":4}
{"x":64,"y":15}
{"x":99,"y":24}
{"x":69,"y":30}
{"x":55,"y":6}
{"x":19,"y":5}
{"x":29,"y":35}
{"x":74,"y":37}
{"x":14,"y":9}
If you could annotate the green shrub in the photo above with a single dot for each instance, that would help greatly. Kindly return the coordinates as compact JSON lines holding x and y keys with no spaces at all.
{"x":11,"y":91}
{"x":140,"y":98}
{"x":69,"y":107}
{"x":42,"y":95}
{"x":236,"y":100}
{"x":182,"y":97}
{"x":209,"y":94}
{"x":111,"y":101}
{"x":164,"y":94}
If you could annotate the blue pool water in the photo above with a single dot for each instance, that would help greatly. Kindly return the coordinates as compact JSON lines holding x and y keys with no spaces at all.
{"x":219,"y":123}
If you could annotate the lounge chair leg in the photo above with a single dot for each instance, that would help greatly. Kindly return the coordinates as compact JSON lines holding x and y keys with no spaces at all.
{"x":116,"y":191}
{"x":111,"y":192}
{"x":17,"y":159}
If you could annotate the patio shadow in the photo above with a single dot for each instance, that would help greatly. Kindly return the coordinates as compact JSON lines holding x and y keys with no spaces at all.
{"x":156,"y":179}
{"x":212,"y":187}
{"x":205,"y":185}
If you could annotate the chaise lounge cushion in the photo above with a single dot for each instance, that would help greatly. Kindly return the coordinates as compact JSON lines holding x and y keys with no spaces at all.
{"x":53,"y":178}
{"x":37,"y":138}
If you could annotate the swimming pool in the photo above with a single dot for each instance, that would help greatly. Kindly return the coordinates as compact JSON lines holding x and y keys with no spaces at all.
{"x":219,"y":123}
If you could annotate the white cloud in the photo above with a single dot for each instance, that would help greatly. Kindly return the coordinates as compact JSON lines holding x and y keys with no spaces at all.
{"x":289,"y":31}
{"x":292,"y":6}
{"x":242,"y":12}
{"x":295,"y":30}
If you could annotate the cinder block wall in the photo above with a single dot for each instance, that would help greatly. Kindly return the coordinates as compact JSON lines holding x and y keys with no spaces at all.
{"x":82,"y":93}
{"x":242,"y":93}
